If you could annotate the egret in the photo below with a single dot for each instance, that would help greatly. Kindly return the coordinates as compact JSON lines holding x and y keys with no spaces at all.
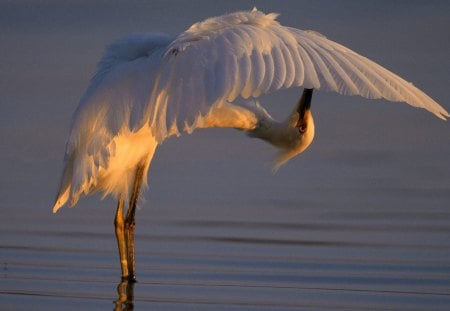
{"x":149,"y":87}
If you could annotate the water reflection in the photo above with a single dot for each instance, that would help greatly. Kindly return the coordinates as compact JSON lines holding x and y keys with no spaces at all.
{"x":313,"y":261}
{"x":125,"y":300}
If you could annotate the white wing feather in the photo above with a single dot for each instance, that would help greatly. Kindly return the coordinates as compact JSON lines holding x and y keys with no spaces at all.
{"x":114,"y":102}
{"x":249,"y":53}
{"x":169,"y":84}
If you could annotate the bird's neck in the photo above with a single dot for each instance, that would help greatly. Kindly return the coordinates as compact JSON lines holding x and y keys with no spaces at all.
{"x":229,"y":115}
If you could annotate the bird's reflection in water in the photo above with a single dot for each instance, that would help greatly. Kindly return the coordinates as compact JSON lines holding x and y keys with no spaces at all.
{"x":125,"y":300}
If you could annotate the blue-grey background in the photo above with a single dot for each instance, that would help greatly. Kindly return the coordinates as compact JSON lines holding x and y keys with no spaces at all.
{"x":360,"y":220}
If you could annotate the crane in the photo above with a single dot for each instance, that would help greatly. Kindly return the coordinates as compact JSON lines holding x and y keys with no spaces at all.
{"x":151,"y":86}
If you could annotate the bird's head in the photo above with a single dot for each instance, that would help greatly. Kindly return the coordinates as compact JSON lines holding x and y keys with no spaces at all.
{"x":292,"y":136}
{"x":299,"y":130}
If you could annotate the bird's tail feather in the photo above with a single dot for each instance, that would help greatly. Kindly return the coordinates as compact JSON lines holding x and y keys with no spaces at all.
{"x":64,"y":189}
{"x":61,"y":199}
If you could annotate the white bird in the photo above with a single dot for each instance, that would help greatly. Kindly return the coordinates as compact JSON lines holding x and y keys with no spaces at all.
{"x":149,"y":87}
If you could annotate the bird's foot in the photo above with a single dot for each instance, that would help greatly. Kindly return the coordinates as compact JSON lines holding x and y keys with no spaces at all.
{"x":132,"y":278}
{"x":129,"y":278}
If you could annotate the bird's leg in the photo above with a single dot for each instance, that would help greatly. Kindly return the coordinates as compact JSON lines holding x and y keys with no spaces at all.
{"x":120,"y":236}
{"x":130,"y":222}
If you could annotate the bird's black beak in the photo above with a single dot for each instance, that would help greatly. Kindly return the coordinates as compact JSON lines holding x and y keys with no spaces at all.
{"x":304,"y":105}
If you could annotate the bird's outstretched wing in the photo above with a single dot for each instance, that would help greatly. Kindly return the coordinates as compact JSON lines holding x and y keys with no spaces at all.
{"x":249,"y":53}
{"x":167,"y":85}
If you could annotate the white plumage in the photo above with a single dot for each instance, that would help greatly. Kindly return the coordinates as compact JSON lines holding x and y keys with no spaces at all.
{"x":151,"y":86}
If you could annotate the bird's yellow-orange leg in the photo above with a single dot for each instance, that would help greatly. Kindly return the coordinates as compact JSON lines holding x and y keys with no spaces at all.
{"x":120,"y":236}
{"x":130,"y":223}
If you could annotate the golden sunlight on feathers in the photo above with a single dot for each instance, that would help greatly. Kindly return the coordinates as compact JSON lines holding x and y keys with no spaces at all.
{"x":127,"y":150}
{"x":151,"y":86}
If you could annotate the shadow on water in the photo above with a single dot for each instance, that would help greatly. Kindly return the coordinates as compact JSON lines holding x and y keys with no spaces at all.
{"x":125,"y":300}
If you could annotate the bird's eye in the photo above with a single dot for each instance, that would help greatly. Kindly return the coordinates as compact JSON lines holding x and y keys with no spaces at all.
{"x":302,"y":128}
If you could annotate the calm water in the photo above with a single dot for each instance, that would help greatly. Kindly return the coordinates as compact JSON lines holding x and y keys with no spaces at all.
{"x":361,"y":221}
{"x":342,"y":258}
